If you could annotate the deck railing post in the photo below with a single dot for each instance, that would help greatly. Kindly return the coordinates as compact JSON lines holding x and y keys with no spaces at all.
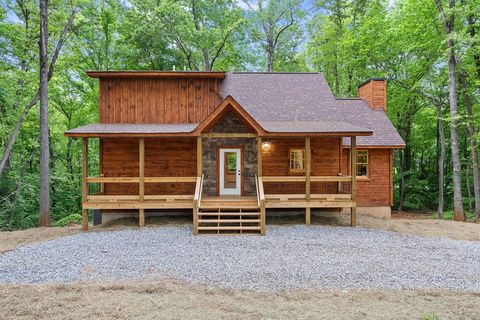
{"x":259,"y":157}
{"x":199,"y":156}
{"x":141,"y":181}
{"x":84,"y":182}
{"x":308,"y":166}
{"x":353,"y":171}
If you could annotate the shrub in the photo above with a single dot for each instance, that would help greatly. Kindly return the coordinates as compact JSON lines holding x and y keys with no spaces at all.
{"x":73,"y":218}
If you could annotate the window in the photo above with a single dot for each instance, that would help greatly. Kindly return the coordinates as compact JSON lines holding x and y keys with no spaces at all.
{"x":362,"y":163}
{"x":297,"y":160}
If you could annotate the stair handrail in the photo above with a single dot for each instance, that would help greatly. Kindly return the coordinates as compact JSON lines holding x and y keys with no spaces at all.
{"x":258,"y":193}
{"x":197,"y":198}
{"x":261,"y":204}
{"x":201,"y":191}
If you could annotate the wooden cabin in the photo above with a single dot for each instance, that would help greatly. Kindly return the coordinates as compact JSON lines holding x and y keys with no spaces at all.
{"x":233,"y":147}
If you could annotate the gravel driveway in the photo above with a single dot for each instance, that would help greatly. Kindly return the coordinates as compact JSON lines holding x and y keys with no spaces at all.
{"x":287,"y":258}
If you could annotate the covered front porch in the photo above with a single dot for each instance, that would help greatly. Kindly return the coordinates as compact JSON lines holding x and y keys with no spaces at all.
{"x":218,"y":213}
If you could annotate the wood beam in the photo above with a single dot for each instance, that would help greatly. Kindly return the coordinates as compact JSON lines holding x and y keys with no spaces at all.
{"x":229,"y":135}
{"x":308,"y":169}
{"x":199,"y":156}
{"x":141,"y":182}
{"x":353,"y":163}
{"x":84,"y":182}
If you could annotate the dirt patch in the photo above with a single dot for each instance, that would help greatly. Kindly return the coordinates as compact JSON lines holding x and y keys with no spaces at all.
{"x":427,"y":227}
{"x":10,"y":240}
{"x":179,"y":301}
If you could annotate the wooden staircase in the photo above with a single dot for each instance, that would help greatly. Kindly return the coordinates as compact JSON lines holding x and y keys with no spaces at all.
{"x":230,"y":215}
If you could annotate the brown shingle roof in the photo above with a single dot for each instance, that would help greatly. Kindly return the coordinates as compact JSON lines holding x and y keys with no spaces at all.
{"x":119,"y":129}
{"x":305,"y":100}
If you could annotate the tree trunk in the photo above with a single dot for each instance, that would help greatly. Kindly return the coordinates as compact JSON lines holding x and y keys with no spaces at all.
{"x":44,"y":138}
{"x":457,"y":167}
{"x":270,"y":53}
{"x":467,"y":181}
{"x":449,"y":25}
{"x":441,"y":161}
{"x":472,"y":138}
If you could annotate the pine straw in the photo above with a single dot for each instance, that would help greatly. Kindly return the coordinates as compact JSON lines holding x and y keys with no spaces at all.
{"x":179,"y":301}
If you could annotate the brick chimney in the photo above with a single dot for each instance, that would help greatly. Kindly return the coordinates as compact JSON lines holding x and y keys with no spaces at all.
{"x":374,"y":91}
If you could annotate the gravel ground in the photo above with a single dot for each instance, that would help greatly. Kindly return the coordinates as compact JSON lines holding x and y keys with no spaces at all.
{"x":293,"y":257}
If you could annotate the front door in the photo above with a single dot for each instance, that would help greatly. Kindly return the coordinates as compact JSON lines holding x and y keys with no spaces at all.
{"x":230,"y":171}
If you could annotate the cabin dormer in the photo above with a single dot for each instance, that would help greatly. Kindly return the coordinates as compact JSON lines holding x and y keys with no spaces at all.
{"x":157,"y":97}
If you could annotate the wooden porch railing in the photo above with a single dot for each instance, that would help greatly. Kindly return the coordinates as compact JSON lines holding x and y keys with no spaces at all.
{"x":334,"y":187}
{"x":141,"y":187}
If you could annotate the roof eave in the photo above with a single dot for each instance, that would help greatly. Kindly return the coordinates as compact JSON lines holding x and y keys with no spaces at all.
{"x":317,"y":134}
{"x":129,"y":135}
{"x":156,"y":74}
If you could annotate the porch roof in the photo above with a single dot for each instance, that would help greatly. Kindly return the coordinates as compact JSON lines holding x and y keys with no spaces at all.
{"x":131,"y":130}
{"x":275,"y":128}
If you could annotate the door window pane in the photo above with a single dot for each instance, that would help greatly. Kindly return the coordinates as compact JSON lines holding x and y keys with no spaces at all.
{"x":230,"y":170}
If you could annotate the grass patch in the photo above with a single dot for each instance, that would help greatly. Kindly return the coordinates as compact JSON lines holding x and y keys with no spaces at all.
{"x":448,"y":215}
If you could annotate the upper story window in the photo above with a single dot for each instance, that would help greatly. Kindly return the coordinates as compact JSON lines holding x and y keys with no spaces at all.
{"x":362,"y":163}
{"x":297,"y":160}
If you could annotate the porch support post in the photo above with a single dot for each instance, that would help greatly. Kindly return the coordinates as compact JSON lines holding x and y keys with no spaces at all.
{"x":199,"y":156}
{"x":84,"y":182}
{"x":353,"y":171}
{"x":308,"y":166}
{"x":259,"y":157}
{"x":263,"y":210}
{"x":141,"y":182}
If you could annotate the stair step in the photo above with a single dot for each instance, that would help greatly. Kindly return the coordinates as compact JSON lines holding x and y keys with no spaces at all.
{"x":229,"y":213}
{"x":226,"y":206}
{"x":229,"y":221}
{"x":229,"y":228}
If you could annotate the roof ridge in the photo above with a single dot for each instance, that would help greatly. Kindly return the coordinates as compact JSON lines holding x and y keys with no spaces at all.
{"x":281,"y":72}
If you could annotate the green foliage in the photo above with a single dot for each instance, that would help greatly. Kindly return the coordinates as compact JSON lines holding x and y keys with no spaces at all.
{"x":74,"y":218}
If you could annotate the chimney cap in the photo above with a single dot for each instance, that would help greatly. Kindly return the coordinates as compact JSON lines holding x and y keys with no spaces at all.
{"x":371,"y":79}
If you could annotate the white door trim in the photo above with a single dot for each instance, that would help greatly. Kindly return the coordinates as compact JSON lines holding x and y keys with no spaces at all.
{"x":238,"y":170}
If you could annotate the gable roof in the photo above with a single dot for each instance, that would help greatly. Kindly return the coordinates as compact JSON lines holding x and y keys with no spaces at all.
{"x":228,"y":103}
{"x":298,"y":101}
{"x":271,"y":103}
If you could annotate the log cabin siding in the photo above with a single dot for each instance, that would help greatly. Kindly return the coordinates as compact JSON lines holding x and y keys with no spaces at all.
{"x":157,"y":100}
{"x":325,"y":162}
{"x":325,"y":156}
{"x":163,"y":158}
{"x":376,"y":189}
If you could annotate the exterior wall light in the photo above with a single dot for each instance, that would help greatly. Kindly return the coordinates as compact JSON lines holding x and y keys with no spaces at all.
{"x":265,"y":145}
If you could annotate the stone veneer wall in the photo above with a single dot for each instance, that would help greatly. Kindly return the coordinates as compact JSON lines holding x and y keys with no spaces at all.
{"x":249,"y":151}
{"x":229,"y":123}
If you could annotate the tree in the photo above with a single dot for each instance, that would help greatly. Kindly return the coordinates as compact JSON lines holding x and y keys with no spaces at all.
{"x":448,"y":21}
{"x":195,"y":34}
{"x":271,"y":22}
{"x":44,"y":132}
{"x":13,"y":136}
